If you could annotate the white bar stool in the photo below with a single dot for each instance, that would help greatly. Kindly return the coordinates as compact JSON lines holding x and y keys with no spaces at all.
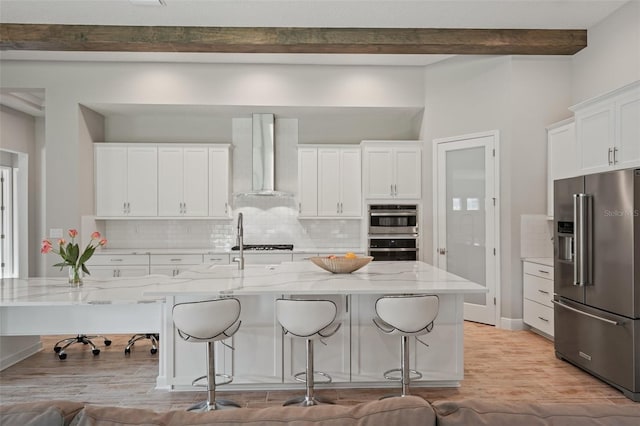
{"x":209,"y":321}
{"x":406,"y":315}
{"x":310,"y":320}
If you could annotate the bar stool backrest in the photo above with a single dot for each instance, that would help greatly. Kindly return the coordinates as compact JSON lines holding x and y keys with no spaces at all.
{"x":304,"y":318}
{"x":408,"y":314}
{"x":207,"y":320}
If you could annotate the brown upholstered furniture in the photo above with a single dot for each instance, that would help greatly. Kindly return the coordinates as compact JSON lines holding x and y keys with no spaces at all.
{"x":406,"y":411}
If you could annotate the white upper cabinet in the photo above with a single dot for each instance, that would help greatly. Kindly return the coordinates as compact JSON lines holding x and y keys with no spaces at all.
{"x":219,"y":182}
{"x":307,"y":182}
{"x":183,"y":176}
{"x":126,"y":180}
{"x":162,"y":180}
{"x":329,"y":182}
{"x":608,"y":131}
{"x":561,"y":156}
{"x":392,"y":169}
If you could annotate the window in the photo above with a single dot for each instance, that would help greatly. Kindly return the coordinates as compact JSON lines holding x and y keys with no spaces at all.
{"x":6,"y":223}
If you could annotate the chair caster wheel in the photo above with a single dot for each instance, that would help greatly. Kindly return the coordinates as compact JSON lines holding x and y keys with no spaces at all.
{"x":127,"y":351}
{"x":153,"y":351}
{"x":107,"y":342}
{"x":62,"y":356}
{"x":96,"y":351}
{"x":56,"y":349}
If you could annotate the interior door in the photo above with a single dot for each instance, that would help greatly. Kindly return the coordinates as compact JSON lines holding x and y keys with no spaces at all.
{"x":466,"y":218}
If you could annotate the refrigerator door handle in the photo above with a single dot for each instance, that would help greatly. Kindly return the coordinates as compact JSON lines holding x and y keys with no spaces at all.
{"x":608,"y":321}
{"x":576,"y":256}
{"x":580,"y":262}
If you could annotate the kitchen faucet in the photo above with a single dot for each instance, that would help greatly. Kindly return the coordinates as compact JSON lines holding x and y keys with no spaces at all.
{"x":240,"y":243}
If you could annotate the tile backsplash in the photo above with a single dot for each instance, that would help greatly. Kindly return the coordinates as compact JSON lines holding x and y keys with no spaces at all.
{"x":536,"y":236}
{"x":267,"y":220}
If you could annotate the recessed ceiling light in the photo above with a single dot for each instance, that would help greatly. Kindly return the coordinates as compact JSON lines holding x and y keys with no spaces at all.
{"x":148,"y":2}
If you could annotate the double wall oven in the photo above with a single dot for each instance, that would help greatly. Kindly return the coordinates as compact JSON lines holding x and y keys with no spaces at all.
{"x":393,"y":231}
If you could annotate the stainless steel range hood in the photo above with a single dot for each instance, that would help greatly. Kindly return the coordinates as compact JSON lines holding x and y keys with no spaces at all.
{"x":263,"y":156}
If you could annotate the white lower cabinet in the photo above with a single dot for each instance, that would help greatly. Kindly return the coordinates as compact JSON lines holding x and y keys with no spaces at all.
{"x":374,"y":352}
{"x":114,"y":265}
{"x":538,"y":293}
{"x":263,"y":356}
{"x":173,"y":264}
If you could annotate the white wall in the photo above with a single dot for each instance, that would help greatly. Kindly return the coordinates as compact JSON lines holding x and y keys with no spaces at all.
{"x":19,"y":134}
{"x":70,"y":84}
{"x":612,"y":56}
{"x":518,"y":96}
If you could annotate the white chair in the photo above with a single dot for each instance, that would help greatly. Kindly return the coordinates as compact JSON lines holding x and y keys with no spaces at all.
{"x":208,"y":322}
{"x":406,"y":315}
{"x":310,"y":320}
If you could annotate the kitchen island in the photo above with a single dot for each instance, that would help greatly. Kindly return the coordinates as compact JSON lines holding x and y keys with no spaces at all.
{"x":262,"y":357}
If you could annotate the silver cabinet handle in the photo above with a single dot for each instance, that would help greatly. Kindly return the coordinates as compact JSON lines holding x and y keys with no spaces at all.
{"x":543,"y":319}
{"x":395,"y":189}
{"x":226,"y":208}
{"x":543,"y":292}
{"x":116,"y":260}
{"x":615,"y":155}
{"x":338,"y":207}
{"x":609,"y":157}
{"x":542,"y":271}
{"x":608,"y":321}
{"x":299,"y":207}
{"x":124,"y":207}
{"x":215,"y":259}
{"x":391,"y":190}
{"x":175,"y":260}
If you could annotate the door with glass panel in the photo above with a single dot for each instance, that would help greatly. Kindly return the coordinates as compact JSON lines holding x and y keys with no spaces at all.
{"x":466,"y":218}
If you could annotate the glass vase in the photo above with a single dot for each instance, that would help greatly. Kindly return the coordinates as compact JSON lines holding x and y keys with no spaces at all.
{"x":75,"y":276}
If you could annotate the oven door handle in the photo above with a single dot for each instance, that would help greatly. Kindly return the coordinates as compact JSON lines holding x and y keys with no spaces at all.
{"x":397,"y":249}
{"x":392,"y":213}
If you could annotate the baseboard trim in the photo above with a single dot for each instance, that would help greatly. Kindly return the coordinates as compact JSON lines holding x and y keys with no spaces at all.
{"x":22,"y":354}
{"x":512,"y":324}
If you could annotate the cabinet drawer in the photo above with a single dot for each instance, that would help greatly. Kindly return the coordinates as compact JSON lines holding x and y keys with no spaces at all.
{"x":538,"y":289}
{"x":176,"y":259}
{"x":118,"y":259}
{"x":216,"y":259}
{"x":538,"y":316}
{"x":538,"y":270}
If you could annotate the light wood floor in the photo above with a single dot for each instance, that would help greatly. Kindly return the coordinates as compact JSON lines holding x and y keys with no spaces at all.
{"x":499,"y":365}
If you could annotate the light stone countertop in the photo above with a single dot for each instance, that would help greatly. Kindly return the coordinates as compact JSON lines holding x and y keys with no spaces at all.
{"x":220,"y":280}
{"x":205,"y":251}
{"x":547,"y":261}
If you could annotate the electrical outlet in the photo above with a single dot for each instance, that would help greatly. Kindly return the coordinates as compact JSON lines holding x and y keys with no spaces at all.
{"x":55,"y":233}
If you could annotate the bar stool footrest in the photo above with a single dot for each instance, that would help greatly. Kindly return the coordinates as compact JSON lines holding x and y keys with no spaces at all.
{"x":390,"y":374}
{"x":228,"y":379}
{"x":298,"y":377}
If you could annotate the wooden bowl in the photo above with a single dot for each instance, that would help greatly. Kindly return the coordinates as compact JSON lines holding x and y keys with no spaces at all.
{"x":341,"y":264}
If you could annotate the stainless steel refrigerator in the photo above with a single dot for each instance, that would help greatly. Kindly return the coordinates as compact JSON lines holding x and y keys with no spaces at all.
{"x":597,"y":276}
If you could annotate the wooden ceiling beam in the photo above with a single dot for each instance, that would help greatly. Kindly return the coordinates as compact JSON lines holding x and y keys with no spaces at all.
{"x":94,"y":38}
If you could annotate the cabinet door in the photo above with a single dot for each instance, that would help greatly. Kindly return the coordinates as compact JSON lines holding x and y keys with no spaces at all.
{"x":110,"y":180}
{"x":195,"y":182}
{"x":142,"y":180}
{"x":378,"y":173}
{"x":170,"y":181}
{"x":407,"y":169}
{"x":328,"y":181}
{"x":350,"y":183}
{"x":627,"y":145}
{"x":105,"y":272}
{"x":219,"y":178}
{"x":595,"y":135}
{"x":308,"y":182}
{"x":561,"y":159}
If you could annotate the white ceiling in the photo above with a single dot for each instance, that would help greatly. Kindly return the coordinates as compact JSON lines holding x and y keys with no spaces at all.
{"x":543,"y":14}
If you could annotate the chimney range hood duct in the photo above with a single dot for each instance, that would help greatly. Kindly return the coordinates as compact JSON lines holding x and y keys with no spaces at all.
{"x":263,"y":157}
